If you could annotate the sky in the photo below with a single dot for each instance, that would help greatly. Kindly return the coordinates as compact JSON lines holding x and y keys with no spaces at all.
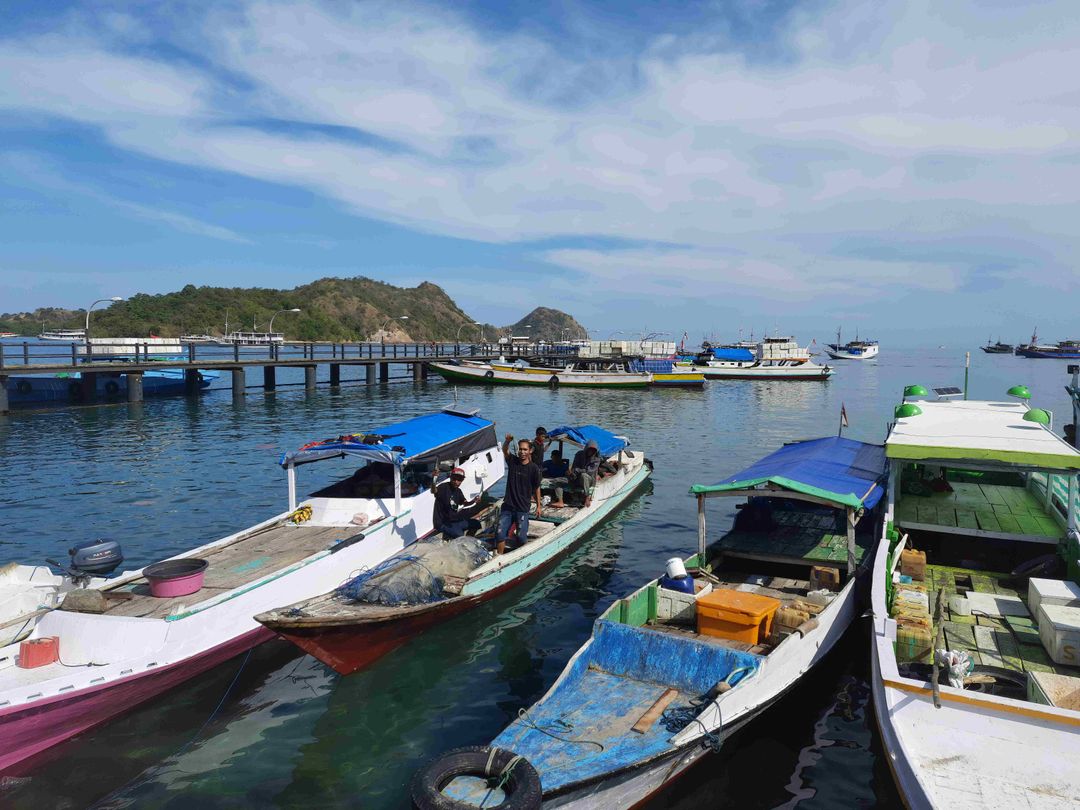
{"x":905,"y":168}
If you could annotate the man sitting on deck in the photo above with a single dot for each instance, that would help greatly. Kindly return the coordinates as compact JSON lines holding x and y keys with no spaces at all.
{"x":556,"y":469}
{"x":453,"y":514}
{"x":589,"y":466}
{"x":522,"y":484}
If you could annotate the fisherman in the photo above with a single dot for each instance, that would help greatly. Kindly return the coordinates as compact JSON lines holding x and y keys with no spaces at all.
{"x":539,"y":445}
{"x":556,"y":469}
{"x":522,"y":484}
{"x":453,"y":514}
{"x":589,"y":467}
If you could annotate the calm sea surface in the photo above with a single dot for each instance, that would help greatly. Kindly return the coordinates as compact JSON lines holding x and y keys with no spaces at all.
{"x":283,"y":731}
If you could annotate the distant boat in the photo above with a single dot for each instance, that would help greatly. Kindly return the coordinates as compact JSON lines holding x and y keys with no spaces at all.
{"x":251,"y":338}
{"x":555,"y":377}
{"x":852,"y":350}
{"x":773,"y":358}
{"x":997,"y":348}
{"x":1065,"y":350}
{"x":78,"y":335}
{"x":8,"y":334}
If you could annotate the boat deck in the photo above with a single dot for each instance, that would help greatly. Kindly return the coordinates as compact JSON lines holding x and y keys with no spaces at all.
{"x":233,"y":565}
{"x":984,"y":510}
{"x":1007,"y":637}
{"x":799,"y":537}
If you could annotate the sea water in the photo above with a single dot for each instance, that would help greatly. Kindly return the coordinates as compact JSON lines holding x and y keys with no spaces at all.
{"x":278,"y":729}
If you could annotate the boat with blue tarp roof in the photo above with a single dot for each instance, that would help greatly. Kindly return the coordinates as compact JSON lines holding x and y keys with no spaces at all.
{"x":667,"y":674}
{"x":430,"y":582}
{"x":125,"y":641}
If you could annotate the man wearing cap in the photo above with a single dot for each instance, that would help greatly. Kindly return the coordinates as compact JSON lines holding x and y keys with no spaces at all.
{"x":453,"y":514}
{"x":588,"y":466}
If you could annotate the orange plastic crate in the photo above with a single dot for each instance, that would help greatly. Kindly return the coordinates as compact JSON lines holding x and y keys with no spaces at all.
{"x":736,"y":615}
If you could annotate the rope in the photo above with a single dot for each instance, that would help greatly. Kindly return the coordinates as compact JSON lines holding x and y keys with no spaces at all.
{"x":561,"y":727}
{"x":504,"y":774}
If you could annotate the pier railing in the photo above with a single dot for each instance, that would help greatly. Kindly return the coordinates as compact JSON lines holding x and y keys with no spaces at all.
{"x":55,"y":354}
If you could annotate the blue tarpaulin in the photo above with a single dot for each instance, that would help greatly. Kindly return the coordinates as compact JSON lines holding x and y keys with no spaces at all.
{"x":652,"y":366}
{"x":606,"y":442}
{"x":436,"y":436}
{"x":734,"y":353}
{"x":844,"y":471}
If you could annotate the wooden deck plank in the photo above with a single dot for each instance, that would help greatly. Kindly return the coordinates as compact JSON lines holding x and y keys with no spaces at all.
{"x":992,"y":494}
{"x":988,"y":521}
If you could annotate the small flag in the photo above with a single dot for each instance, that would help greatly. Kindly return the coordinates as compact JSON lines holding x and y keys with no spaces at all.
{"x":843,"y":415}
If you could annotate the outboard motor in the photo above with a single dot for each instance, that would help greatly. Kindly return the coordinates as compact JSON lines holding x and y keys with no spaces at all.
{"x":92,"y":558}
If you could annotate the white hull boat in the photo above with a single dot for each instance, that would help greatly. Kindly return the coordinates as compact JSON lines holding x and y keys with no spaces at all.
{"x":136,"y":645}
{"x":852,"y":350}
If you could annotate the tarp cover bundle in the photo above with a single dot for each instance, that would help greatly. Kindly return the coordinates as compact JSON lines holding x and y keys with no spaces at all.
{"x":606,"y":442}
{"x":425,"y":439}
{"x":735,"y":353}
{"x":844,"y":471}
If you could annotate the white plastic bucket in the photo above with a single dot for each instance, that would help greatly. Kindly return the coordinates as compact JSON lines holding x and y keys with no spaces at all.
{"x":675,"y":568}
{"x":959,"y":605}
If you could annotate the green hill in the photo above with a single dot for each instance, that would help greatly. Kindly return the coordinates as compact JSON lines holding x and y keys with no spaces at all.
{"x":333,"y":309}
{"x":544,"y":323}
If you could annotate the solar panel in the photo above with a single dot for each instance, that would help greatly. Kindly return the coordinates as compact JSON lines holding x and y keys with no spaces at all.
{"x":948,"y":391}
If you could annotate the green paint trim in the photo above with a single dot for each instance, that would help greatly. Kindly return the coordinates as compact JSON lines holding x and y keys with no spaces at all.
{"x":1046,"y":461}
{"x":787,"y":483}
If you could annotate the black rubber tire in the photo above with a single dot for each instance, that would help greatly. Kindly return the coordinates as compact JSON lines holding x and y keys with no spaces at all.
{"x":75,"y":389}
{"x":1008,"y":683}
{"x":24,"y":387}
{"x":554,"y":381}
{"x":112,"y":388}
{"x":489,"y":374}
{"x":1048,"y":566}
{"x":522,"y":790}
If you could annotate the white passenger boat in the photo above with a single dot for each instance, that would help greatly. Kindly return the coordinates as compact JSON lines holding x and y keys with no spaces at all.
{"x":503,"y":373}
{"x":852,"y":350}
{"x":773,"y":358}
{"x":981,"y":495}
{"x":671,"y":670}
{"x":136,"y":645}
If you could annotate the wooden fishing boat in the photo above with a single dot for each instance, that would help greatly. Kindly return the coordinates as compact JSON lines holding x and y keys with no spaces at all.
{"x":982,"y":495}
{"x":347,"y":634}
{"x":852,"y":350}
{"x":135,"y":645}
{"x":668,"y":673}
{"x":554,"y":377}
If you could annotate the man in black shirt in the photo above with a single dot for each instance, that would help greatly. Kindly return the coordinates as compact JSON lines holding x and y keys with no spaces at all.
{"x":453,"y":513}
{"x":522,"y":485}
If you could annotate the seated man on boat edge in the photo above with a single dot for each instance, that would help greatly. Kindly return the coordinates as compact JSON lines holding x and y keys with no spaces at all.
{"x":453,"y":513}
{"x":589,"y":467}
{"x":522,"y":485}
{"x":555,"y":470}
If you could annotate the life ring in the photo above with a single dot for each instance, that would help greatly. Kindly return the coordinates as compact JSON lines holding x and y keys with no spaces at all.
{"x":554,"y":381}
{"x":489,"y":374}
{"x":75,"y":389}
{"x":518,"y":780}
{"x":24,"y":387}
{"x":112,"y":388}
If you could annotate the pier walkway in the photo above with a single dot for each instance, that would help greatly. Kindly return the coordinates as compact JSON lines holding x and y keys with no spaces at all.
{"x":100,"y":357}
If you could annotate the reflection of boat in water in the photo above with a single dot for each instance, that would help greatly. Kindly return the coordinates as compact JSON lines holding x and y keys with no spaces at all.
{"x":431,"y":583}
{"x":773,"y":358}
{"x":134,"y":645}
{"x":852,"y":350}
{"x":678,"y":664}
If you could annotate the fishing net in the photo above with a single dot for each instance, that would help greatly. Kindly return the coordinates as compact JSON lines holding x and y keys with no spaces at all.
{"x":416,"y":575}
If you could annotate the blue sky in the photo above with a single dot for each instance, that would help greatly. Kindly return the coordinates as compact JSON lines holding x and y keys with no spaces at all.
{"x":910,"y":169}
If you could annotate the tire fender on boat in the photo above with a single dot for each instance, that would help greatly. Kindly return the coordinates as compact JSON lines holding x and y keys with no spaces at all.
{"x":519,"y":781}
{"x":75,"y":388}
{"x":554,"y":381}
{"x":489,"y":374}
{"x":24,"y":387}
{"x":112,"y":387}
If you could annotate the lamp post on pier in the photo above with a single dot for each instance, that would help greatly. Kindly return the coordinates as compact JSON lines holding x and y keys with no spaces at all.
{"x":271,"y":329}
{"x":86,"y":329}
{"x":382,"y":329}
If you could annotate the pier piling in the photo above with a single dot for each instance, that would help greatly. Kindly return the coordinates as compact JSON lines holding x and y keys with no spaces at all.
{"x":370,"y":371}
{"x":418,"y":372}
{"x":3,"y":395}
{"x":309,"y":378}
{"x":269,"y":377}
{"x":191,"y":381}
{"x":135,"y":386}
{"x":384,"y":372}
{"x":239,"y":380}
{"x":335,"y":372}
{"x":87,"y":387}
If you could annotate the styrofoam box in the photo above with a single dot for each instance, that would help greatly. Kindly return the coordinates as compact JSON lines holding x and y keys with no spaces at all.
{"x":1052,"y":592}
{"x":676,"y":606}
{"x":1059,"y":630}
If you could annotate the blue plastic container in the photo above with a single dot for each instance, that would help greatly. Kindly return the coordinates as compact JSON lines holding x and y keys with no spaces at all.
{"x":681,"y":584}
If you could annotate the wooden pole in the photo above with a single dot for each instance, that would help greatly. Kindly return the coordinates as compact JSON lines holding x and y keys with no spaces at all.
{"x":850,"y":541}
{"x":701,"y":530}
{"x":135,"y":386}
{"x":291,"y":470}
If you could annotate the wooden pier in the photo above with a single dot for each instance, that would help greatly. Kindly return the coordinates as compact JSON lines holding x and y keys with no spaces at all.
{"x":134,"y":360}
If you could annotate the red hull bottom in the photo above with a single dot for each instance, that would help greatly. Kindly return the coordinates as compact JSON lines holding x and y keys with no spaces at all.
{"x":29,"y":730}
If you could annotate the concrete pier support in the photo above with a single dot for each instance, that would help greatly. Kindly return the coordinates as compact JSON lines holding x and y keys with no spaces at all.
{"x":135,"y":386}
{"x":191,"y":381}
{"x":335,"y":374}
{"x":370,"y":367}
{"x":88,"y":386}
{"x":384,"y":372}
{"x":239,"y":382}
{"x":424,"y":371}
{"x":309,"y":378}
{"x":418,"y":372}
{"x":4,"y":406}
{"x":269,"y":377}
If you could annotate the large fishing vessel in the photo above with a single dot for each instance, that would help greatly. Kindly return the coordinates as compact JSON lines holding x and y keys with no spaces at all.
{"x":125,"y":640}
{"x":997,"y":348}
{"x":976,"y":608}
{"x":852,"y":350}
{"x":698,"y":653}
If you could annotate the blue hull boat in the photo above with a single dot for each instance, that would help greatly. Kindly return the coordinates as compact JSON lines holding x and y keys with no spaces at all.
{"x":39,"y":389}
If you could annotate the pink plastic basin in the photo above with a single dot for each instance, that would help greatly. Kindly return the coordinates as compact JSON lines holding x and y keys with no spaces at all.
{"x":176,"y":577}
